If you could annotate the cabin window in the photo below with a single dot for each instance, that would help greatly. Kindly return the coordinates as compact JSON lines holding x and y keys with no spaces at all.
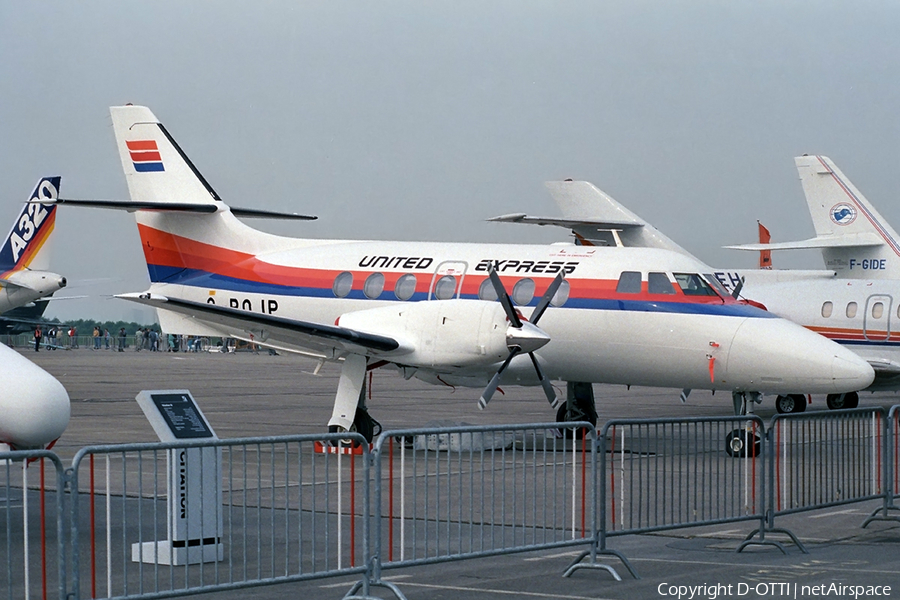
{"x":405,"y":287}
{"x":445,"y":287}
{"x":827,"y":309}
{"x":374,"y":285}
{"x":629,"y":283}
{"x":343,"y":283}
{"x":486,"y":291}
{"x":851,"y":309}
{"x":877,"y":310}
{"x":562,"y":294}
{"x":658,"y":283}
{"x":523,"y":291}
{"x":693,"y":285}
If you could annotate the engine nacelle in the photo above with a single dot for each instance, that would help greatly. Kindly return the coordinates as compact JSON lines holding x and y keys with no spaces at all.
{"x":34,"y":406}
{"x":440,"y":334}
{"x":28,"y":286}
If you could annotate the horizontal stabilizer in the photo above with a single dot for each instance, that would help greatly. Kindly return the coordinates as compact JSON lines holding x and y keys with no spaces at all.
{"x":252,"y":213}
{"x":301,"y":332}
{"x":129,"y":205}
{"x":853,"y":240}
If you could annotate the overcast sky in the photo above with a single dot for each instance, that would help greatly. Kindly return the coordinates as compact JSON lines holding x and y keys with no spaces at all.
{"x":418,"y":120}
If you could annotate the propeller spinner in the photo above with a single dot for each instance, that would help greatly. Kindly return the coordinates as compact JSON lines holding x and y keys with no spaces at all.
{"x":522,"y":336}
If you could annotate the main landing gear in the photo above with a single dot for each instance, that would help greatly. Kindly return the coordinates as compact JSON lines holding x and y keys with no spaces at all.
{"x":792,"y":403}
{"x":840,"y":401}
{"x":579,"y":404}
{"x":351,"y":400}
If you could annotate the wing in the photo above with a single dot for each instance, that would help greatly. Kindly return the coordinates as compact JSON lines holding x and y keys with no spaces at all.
{"x":305,"y":334}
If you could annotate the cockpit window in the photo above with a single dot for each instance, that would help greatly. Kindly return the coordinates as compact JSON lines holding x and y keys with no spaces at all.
{"x":658,"y":283}
{"x":629,"y":283}
{"x":717,"y":285}
{"x":693,"y":285}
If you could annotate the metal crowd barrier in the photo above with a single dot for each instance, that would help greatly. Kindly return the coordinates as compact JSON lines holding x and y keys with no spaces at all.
{"x":32,"y":545}
{"x":165,"y":520}
{"x":467,"y":492}
{"x":822,"y":459}
{"x":660,"y":474}
{"x":891,"y":470}
{"x":288,"y":509}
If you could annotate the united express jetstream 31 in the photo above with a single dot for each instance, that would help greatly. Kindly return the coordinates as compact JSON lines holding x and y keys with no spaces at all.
{"x":633,"y":316}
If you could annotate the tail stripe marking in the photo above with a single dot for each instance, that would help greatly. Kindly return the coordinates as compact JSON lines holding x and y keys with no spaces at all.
{"x":863,"y":209}
{"x":145,"y":156}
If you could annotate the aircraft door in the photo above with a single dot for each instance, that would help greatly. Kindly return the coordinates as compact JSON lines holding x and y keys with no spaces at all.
{"x":877,"y":319}
{"x":446,"y":283}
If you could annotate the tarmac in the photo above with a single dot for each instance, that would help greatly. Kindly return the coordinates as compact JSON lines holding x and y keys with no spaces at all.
{"x":247,"y":394}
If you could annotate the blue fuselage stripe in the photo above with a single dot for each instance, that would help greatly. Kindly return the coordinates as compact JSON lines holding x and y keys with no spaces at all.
{"x":202,"y":279}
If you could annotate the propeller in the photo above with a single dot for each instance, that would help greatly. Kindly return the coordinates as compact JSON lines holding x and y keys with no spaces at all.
{"x":522,"y":336}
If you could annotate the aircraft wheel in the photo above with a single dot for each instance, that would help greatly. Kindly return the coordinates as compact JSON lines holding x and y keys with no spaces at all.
{"x":363,"y":424}
{"x":737,"y":444}
{"x":793,"y":403}
{"x":840,"y":401}
{"x":562,"y":416}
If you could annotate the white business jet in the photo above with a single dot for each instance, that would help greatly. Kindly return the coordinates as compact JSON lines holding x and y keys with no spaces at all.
{"x":856,"y":302}
{"x":633,"y":316}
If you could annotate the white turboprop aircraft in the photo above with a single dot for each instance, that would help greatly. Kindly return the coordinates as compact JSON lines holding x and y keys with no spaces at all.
{"x":857,"y":301}
{"x":630,"y":316}
{"x":25,"y":256}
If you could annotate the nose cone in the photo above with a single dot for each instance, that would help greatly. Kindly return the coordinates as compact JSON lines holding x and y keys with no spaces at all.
{"x":529,"y":337}
{"x":777,"y":356}
{"x":34,"y":406}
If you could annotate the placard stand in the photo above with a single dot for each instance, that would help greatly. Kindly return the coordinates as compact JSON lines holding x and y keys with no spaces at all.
{"x":194,"y":499}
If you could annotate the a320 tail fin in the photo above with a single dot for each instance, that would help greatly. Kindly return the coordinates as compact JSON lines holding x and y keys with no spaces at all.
{"x":156,"y":169}
{"x":28,"y":244}
{"x":856,"y":241}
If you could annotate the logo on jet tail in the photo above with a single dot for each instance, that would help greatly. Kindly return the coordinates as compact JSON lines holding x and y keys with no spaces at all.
{"x":145,"y":156}
{"x":843,"y":213}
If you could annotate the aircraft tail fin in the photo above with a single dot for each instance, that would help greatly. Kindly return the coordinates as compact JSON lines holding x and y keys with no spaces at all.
{"x":156,"y":168}
{"x":582,"y":200}
{"x":857,"y":241}
{"x":28,"y":244}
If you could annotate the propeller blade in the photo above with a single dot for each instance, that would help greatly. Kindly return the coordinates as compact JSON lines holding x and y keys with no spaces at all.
{"x":488,"y":392}
{"x":504,"y":298}
{"x":546,"y":298}
{"x":545,"y":383}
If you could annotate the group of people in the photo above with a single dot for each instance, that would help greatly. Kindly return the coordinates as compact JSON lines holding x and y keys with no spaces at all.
{"x":145,"y":338}
{"x":52,"y":336}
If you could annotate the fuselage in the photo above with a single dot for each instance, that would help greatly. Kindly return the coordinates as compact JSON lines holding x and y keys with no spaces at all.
{"x":862,"y":315}
{"x":635,"y":316}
